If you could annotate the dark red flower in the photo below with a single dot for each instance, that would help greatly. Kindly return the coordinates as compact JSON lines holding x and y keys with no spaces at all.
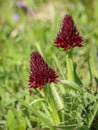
{"x":40,"y":73}
{"x":68,"y":36}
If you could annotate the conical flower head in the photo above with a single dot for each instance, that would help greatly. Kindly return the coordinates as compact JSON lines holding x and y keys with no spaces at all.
{"x":40,"y":73}
{"x":68,"y":36}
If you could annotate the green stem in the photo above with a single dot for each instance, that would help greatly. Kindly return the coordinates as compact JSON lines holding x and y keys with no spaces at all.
{"x":70,"y":69}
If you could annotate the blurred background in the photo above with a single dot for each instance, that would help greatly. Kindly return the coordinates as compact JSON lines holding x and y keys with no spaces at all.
{"x":32,"y":25}
{"x":27,"y":26}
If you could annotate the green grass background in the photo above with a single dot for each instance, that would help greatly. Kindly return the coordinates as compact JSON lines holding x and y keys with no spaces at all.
{"x":18,"y":39}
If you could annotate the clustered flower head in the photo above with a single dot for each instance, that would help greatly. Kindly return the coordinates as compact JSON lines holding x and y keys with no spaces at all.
{"x":68,"y":36}
{"x":40,"y":73}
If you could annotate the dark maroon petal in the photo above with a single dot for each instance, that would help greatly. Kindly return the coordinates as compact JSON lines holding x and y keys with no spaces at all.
{"x":68,"y":36}
{"x":40,"y":73}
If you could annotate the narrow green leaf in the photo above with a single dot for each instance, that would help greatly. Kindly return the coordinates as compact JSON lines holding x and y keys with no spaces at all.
{"x":76,"y":77}
{"x":28,"y":123}
{"x":72,"y":85}
{"x":38,"y":48}
{"x":11,"y":123}
{"x":37,"y":100}
{"x":93,"y":62}
{"x":93,"y":113}
{"x":57,"y":98}
{"x":57,"y":63}
{"x":52,"y":105}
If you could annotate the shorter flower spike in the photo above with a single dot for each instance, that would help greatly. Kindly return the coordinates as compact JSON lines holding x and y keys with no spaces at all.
{"x":40,"y":73}
{"x":68,"y":36}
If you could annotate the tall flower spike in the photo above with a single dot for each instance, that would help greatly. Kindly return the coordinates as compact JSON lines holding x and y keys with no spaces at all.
{"x":68,"y":36}
{"x":40,"y":73}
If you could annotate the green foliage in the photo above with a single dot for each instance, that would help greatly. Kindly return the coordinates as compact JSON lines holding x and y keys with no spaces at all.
{"x":73,"y":102}
{"x":15,"y":121}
